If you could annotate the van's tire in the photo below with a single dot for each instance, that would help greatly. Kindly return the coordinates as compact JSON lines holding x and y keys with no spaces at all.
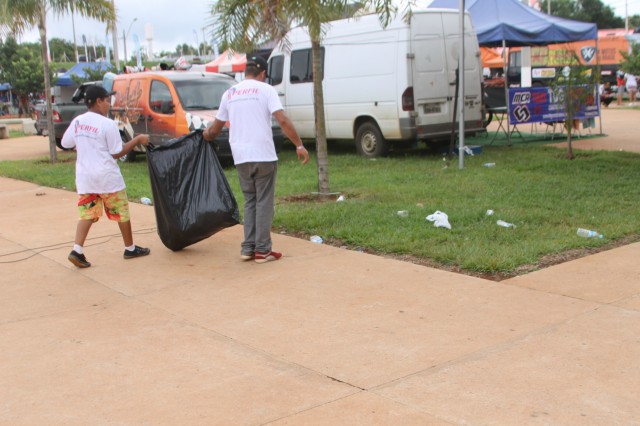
{"x":370,"y":142}
{"x":487,"y":117}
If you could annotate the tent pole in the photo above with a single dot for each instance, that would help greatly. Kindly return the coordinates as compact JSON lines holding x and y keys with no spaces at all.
{"x":461,"y":80}
{"x":505,"y":70}
{"x":599,"y":75}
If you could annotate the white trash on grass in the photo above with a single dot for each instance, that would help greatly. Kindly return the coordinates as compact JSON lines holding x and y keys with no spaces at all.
{"x":505,"y":224}
{"x":439,"y":219}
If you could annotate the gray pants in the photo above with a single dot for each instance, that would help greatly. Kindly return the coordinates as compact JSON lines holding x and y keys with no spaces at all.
{"x":258,"y":184}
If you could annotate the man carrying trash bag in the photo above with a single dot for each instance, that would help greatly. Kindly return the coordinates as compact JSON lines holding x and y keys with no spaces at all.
{"x":248,"y":106}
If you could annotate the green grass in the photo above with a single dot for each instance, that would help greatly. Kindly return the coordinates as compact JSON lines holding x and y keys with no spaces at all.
{"x":16,"y":133}
{"x":532,"y":186}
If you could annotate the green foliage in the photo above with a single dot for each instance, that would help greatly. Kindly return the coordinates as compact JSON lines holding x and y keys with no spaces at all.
{"x":586,"y":11}
{"x":92,"y":74}
{"x":532,"y":186}
{"x":22,"y":66}
{"x":631,"y":62}
{"x":574,"y":88}
{"x":61,"y":50}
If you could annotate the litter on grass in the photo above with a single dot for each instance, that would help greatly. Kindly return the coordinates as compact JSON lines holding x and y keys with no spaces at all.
{"x":439,"y":219}
{"x":505,"y":224}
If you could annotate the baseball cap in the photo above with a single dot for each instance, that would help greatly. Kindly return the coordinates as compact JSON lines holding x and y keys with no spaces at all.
{"x":93,"y":93}
{"x":258,"y":62}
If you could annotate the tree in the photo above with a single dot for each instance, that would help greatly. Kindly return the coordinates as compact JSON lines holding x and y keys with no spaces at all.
{"x":586,"y":11}
{"x":22,"y":66}
{"x":91,"y":74}
{"x":244,"y":24}
{"x":574,"y":89}
{"x":631,"y":62}
{"x":61,"y":49}
{"x":18,"y":15}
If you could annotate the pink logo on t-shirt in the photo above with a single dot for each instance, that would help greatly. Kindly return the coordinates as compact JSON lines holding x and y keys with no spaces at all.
{"x":86,"y":128}
{"x":239,"y":92}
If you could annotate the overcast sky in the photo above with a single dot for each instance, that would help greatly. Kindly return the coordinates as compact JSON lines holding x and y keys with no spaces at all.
{"x":173,"y":22}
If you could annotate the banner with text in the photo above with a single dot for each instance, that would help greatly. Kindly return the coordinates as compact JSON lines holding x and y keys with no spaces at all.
{"x":547,"y":104}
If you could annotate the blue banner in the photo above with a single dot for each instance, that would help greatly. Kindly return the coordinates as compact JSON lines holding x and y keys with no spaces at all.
{"x":547,"y":104}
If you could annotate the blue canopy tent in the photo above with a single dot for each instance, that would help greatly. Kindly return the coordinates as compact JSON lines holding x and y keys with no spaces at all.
{"x":511,"y":23}
{"x":79,"y":71}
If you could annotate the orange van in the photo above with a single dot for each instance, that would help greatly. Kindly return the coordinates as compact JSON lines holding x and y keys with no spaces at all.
{"x":169,"y":104}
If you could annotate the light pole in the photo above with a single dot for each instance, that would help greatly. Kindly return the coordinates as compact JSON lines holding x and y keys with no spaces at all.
{"x":124,"y":40}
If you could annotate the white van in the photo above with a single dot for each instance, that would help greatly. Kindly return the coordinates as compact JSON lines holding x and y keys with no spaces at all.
{"x":382,"y":85}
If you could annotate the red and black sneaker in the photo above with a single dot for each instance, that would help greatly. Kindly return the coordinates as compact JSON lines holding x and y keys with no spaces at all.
{"x":269,"y":256}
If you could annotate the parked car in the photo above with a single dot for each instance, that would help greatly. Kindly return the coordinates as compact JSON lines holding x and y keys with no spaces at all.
{"x":63,"y":113}
{"x":169,"y":104}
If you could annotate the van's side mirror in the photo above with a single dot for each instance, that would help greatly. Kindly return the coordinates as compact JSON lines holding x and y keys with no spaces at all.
{"x":167,"y":107}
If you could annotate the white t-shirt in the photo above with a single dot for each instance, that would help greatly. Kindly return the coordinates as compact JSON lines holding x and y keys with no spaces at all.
{"x":248,"y":107}
{"x":96,"y":139}
{"x":632,"y":83}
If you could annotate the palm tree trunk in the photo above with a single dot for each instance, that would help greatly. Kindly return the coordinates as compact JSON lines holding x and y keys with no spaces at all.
{"x":322,"y":156}
{"x":42,"y":28}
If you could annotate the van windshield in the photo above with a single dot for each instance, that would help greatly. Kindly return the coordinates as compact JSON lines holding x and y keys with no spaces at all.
{"x":201,"y":94}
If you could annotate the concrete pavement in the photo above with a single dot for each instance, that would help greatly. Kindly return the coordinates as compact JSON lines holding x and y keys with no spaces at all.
{"x":324,"y":336}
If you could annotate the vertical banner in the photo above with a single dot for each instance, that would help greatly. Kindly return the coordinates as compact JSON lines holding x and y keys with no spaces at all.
{"x":86,"y":50}
{"x":107,"y":50}
{"x":136,"y":44}
{"x":216,"y":50}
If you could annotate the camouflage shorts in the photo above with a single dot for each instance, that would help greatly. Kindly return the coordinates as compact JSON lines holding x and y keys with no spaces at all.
{"x":116,"y":205}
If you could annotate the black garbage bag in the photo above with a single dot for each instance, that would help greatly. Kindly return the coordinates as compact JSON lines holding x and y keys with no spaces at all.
{"x":191,"y":195}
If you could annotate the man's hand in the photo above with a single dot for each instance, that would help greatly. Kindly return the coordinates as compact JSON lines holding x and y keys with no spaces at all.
{"x":142,"y":139}
{"x":213,"y":130}
{"x":303,"y":154}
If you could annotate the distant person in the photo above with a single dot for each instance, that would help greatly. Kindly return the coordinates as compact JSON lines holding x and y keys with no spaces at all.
{"x":631,"y":83}
{"x":620,"y":87}
{"x":99,"y":182}
{"x":606,"y":95}
{"x":249,"y":106}
{"x":163,"y":66}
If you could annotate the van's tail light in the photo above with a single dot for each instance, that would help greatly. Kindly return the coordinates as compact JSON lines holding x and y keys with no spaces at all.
{"x":407,"y":99}
{"x":56,"y":117}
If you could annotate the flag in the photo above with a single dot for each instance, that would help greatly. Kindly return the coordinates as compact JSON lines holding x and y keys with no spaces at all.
{"x":107,"y":51}
{"x":136,"y":43}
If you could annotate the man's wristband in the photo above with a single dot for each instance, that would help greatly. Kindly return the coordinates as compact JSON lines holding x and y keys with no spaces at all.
{"x":300,"y":147}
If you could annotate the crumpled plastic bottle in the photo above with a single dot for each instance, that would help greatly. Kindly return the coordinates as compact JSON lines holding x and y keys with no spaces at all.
{"x":316,"y":239}
{"x":586,"y":233}
{"x":146,"y":201}
{"x":505,"y":224}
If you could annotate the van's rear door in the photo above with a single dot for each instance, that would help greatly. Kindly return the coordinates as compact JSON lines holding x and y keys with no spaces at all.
{"x":435,"y":46}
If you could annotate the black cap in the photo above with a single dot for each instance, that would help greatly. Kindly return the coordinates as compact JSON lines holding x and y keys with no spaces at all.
{"x":258,"y":62}
{"x":95,"y":92}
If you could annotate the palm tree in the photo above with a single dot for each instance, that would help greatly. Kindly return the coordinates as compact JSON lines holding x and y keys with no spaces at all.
{"x":243,"y":24}
{"x":19,"y":15}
